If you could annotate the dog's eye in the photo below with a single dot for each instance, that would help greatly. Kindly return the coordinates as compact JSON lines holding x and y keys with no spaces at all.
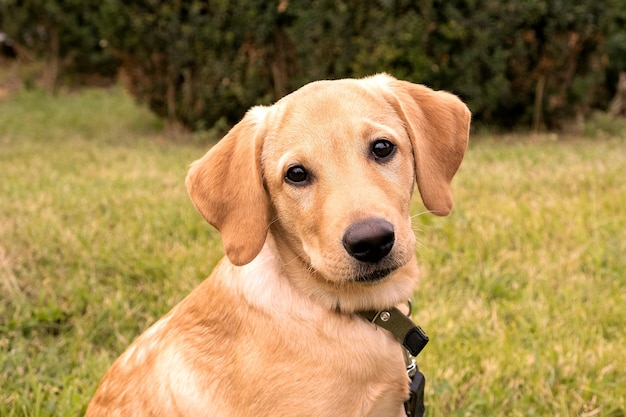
{"x":296,"y":175}
{"x":382,"y":149}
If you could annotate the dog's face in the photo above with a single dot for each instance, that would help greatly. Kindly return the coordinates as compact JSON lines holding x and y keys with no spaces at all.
{"x":339,"y":172}
{"x":329,"y":171}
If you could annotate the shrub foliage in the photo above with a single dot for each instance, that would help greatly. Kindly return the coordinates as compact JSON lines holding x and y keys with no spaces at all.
{"x":199,"y":62}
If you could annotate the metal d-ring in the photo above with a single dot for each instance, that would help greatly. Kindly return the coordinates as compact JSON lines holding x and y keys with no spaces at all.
{"x":409,"y":303}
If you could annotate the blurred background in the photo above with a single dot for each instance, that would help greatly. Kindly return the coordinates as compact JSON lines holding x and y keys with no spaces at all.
{"x":533,"y":64}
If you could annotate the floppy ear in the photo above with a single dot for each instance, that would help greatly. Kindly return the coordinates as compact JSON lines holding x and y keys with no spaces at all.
{"x":226,"y":186}
{"x":438,"y":125}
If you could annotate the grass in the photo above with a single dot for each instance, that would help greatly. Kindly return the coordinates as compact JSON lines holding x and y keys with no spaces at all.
{"x":523,"y":291}
{"x":524,"y":288}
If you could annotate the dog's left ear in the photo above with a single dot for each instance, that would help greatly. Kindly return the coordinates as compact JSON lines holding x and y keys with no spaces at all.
{"x":438,"y":125}
{"x":226,"y":186}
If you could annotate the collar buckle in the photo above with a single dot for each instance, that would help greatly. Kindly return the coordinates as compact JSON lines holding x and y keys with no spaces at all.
{"x":410,"y":335}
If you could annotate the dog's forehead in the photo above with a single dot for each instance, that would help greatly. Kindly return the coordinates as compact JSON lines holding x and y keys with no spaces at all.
{"x":324,"y":111}
{"x":334,"y":98}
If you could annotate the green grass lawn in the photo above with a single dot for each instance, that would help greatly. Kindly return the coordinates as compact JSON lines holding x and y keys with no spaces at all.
{"x":523,"y":290}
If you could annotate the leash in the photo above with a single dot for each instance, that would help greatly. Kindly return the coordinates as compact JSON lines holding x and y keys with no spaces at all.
{"x":413,"y":340}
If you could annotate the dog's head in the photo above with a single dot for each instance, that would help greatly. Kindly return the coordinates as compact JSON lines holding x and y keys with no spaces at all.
{"x":329,"y":171}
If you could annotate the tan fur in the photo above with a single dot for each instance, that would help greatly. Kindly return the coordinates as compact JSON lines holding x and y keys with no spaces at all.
{"x":272,"y":331}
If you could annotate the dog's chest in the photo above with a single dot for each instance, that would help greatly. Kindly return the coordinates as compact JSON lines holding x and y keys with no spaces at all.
{"x":345,"y":365}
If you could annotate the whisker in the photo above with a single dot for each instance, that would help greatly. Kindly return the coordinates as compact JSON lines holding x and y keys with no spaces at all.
{"x":420,"y":214}
{"x":272,"y":221}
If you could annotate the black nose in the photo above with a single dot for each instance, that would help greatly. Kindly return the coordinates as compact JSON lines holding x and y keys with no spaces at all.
{"x":369,"y":240}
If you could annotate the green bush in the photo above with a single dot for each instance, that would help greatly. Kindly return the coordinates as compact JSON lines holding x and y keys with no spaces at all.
{"x":193,"y":62}
{"x":199,"y":63}
{"x":497,"y":55}
{"x":61,"y":33}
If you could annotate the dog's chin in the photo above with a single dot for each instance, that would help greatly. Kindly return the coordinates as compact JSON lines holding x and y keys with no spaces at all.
{"x":372,"y":287}
{"x":364,"y":274}
{"x":375,"y":276}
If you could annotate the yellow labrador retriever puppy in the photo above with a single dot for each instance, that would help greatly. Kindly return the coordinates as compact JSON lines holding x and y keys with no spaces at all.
{"x":311,"y":196}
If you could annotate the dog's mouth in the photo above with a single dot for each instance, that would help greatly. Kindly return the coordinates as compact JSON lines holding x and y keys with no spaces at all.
{"x":375,"y":276}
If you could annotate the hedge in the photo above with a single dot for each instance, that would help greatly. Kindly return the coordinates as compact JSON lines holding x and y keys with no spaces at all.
{"x":197,"y":63}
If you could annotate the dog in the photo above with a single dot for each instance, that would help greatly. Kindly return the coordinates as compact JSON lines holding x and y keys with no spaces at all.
{"x":311,"y":196}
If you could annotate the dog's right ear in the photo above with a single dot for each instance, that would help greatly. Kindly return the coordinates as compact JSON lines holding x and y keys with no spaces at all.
{"x":226,"y":186}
